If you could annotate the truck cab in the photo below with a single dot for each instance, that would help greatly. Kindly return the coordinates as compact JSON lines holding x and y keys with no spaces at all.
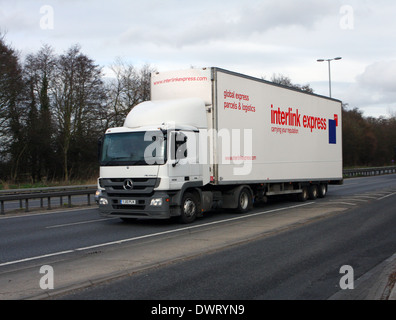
{"x":147,"y":167}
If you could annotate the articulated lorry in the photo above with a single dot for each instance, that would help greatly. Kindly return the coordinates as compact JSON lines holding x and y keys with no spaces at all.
{"x":211,"y":138}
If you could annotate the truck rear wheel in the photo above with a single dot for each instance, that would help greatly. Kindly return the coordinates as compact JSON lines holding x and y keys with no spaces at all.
{"x":189,"y":208}
{"x":303,"y":196}
{"x":244,"y":201}
{"x":313,"y":192}
{"x":322,"y":190}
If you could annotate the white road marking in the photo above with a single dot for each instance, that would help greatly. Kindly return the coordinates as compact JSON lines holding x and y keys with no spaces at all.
{"x":151,"y":235}
{"x":387,"y":196}
{"x":367,"y":197}
{"x":76,"y":223}
{"x":342,"y":202}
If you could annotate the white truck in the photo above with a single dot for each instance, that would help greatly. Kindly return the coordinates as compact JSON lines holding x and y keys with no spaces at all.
{"x":210,"y":138}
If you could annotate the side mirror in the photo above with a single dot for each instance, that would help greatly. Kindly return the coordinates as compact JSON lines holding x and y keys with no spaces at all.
{"x":100,"y":144}
{"x":178,"y":147}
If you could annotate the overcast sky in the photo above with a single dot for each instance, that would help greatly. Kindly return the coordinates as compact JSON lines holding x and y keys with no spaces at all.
{"x":254,"y":37}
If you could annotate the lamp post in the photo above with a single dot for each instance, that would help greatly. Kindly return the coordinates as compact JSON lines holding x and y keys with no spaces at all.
{"x":329,"y":60}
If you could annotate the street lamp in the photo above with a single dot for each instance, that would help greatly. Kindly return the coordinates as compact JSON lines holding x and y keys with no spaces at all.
{"x":328,"y":60}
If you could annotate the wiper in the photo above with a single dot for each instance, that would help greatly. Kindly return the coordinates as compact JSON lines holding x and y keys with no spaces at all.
{"x":137,"y":162}
{"x":108,"y":162}
{"x":124,"y":161}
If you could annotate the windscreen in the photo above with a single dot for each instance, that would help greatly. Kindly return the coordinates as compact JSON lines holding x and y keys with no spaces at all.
{"x":133,"y":148}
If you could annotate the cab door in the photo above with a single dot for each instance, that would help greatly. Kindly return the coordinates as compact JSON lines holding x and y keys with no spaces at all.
{"x":183,"y":155}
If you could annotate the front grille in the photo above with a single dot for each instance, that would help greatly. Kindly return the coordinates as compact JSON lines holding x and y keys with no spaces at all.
{"x":126,"y":195}
{"x":123,"y":179}
{"x":143,"y":188}
{"x":115,"y":187}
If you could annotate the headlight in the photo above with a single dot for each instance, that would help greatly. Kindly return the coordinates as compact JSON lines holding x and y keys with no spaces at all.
{"x":103,"y":201}
{"x":156,"y":202}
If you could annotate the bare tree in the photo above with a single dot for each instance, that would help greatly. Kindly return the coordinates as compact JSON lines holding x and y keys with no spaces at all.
{"x":129,"y":87}
{"x":11,"y":109}
{"x":38,"y":69}
{"x":286,"y":81}
{"x":78,"y":92}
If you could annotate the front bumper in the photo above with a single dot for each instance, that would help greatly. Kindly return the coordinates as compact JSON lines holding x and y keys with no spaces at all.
{"x":141,"y":207}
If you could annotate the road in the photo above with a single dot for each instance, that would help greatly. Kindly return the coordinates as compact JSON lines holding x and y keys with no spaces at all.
{"x":302,"y":263}
{"x":282,"y":250}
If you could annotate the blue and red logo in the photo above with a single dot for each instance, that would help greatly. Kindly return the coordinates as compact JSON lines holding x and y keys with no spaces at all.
{"x":333,"y":124}
{"x":294,"y":118}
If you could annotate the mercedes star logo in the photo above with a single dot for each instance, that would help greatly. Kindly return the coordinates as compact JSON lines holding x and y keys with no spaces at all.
{"x":128,"y":184}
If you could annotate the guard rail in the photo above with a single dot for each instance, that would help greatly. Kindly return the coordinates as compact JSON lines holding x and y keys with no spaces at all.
{"x":45,"y":193}
{"x":375,"y":171}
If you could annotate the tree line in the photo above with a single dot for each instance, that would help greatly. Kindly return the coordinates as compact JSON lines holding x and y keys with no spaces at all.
{"x":53,"y":108}
{"x":368,"y":141}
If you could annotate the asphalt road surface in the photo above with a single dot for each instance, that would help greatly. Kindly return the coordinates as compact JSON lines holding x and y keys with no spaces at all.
{"x":281,"y":250}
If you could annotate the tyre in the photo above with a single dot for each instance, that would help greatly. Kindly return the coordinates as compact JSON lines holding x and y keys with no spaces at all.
{"x":313,"y":192}
{"x":244,"y":201}
{"x":322,"y":191}
{"x":189,"y":208}
{"x":303,"y":196}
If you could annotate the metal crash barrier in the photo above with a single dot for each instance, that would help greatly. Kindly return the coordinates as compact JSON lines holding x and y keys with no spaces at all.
{"x":24,"y":195}
{"x":376,"y":171}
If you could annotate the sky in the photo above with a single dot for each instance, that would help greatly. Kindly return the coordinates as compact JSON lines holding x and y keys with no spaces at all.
{"x":259,"y":38}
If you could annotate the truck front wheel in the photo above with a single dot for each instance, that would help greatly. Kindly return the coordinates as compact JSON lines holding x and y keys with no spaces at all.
{"x":189,"y":208}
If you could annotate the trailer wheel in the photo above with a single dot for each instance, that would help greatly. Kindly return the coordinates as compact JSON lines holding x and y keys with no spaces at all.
{"x":313,"y":192}
{"x":303,"y":196}
{"x":244,"y":201}
{"x":189,"y":208}
{"x":322,"y":190}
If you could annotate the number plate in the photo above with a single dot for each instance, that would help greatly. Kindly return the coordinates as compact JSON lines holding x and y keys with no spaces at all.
{"x":128,"y":201}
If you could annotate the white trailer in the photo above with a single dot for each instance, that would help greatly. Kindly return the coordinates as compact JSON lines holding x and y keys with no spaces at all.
{"x":211,"y":138}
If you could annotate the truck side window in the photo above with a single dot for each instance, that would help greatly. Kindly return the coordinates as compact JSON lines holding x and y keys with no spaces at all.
{"x":179,"y":146}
